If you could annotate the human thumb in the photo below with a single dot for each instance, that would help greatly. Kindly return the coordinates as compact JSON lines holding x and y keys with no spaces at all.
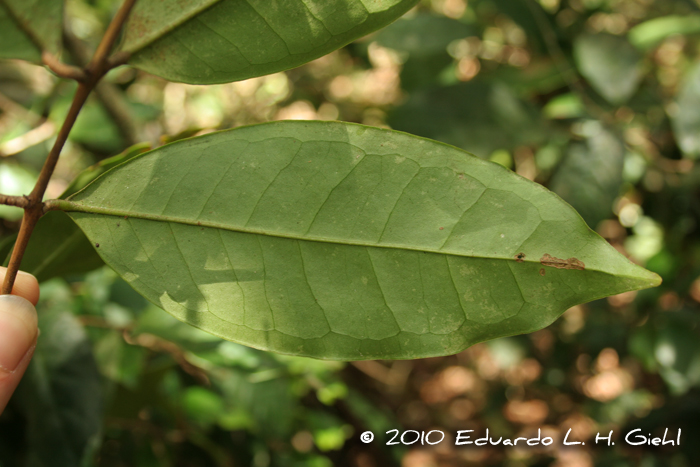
{"x":18,"y":334}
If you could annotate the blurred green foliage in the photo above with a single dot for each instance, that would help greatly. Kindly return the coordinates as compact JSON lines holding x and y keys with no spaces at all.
{"x":596,"y":99}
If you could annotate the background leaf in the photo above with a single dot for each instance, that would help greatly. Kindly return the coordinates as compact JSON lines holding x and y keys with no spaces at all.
{"x":29,"y":27}
{"x":59,"y":249}
{"x":217,"y":41}
{"x":423,"y":41}
{"x":672,"y":348}
{"x":590,"y":176}
{"x":685,"y":117}
{"x":478,"y":117}
{"x":649,"y":33}
{"x":610,"y":64}
{"x":93,"y":128}
{"x":85,"y":177}
{"x":15,"y":180}
{"x":60,"y":396}
{"x":346,"y":242}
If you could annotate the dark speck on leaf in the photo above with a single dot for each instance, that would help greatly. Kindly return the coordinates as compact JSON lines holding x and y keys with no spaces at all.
{"x":520,"y":257}
{"x":97,"y":245}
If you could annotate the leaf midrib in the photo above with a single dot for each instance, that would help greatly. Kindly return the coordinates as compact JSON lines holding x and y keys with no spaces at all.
{"x":70,"y":206}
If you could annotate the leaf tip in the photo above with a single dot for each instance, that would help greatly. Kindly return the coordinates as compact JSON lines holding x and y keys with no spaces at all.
{"x":655,"y":279}
{"x":647,"y":279}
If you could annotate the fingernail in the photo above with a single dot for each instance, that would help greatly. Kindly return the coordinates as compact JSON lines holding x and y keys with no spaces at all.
{"x":18,"y":331}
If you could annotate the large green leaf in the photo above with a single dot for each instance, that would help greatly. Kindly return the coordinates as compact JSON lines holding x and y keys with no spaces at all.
{"x":343,"y":241}
{"x":218,"y":41}
{"x":28,"y":27}
{"x":611,"y":65}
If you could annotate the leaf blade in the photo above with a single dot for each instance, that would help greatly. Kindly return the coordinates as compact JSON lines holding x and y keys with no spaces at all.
{"x":342,"y":241}
{"x":29,"y":28}
{"x":218,"y":41}
{"x":612,"y":65}
{"x":684,"y":119}
{"x":58,"y":248}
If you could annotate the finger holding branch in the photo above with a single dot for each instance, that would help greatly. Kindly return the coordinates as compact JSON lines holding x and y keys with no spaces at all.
{"x":18,"y":332}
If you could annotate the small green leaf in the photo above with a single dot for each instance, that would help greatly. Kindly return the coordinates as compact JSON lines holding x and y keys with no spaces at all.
{"x":27,"y":28}
{"x":219,"y":41}
{"x":649,"y":33}
{"x":342,"y":241}
{"x":202,"y":405}
{"x":611,"y":65}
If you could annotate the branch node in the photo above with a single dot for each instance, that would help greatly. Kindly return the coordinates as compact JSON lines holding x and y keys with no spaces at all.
{"x":62,"y":69}
{"x":118,"y":59}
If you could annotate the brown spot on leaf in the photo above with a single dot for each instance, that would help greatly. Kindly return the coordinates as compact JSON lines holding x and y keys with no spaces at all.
{"x":571,"y":263}
{"x":97,"y":245}
{"x":520,"y":257}
{"x":542,"y":272}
